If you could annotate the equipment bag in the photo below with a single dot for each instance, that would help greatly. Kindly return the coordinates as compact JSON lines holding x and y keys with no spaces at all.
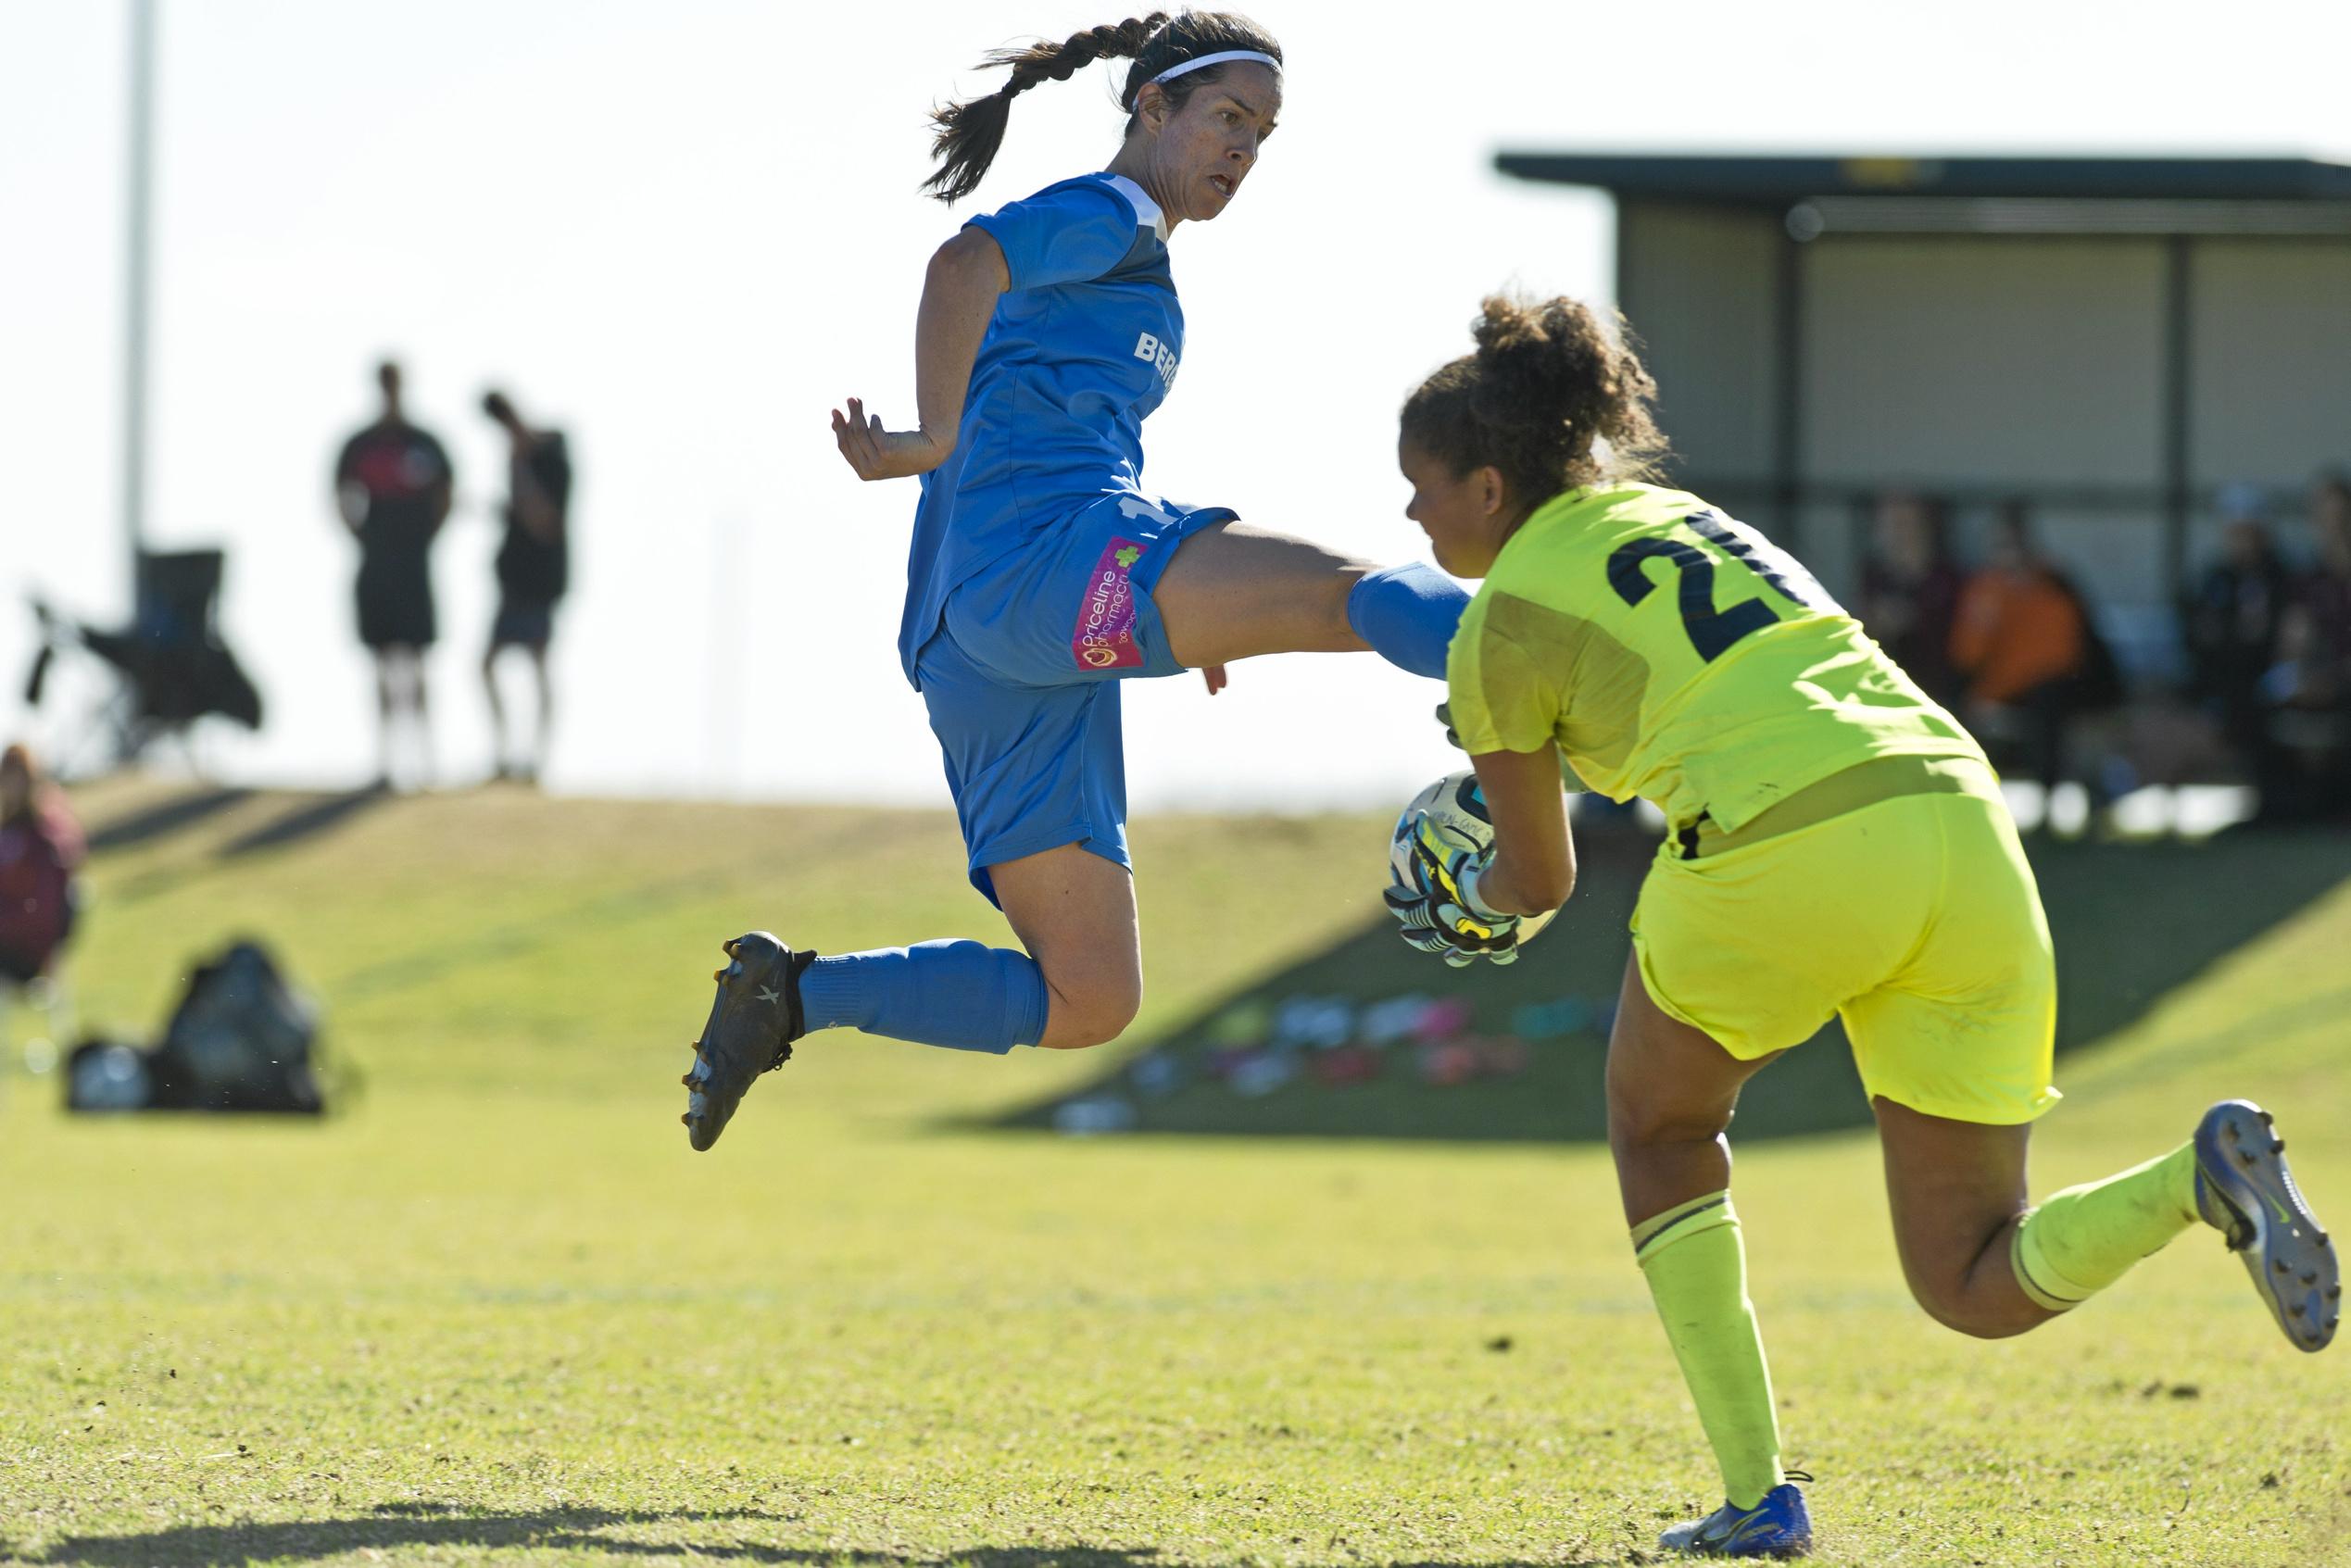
{"x":241,"y":1040}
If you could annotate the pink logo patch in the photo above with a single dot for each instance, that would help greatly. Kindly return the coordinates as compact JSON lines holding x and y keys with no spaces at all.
{"x":1104,"y":636}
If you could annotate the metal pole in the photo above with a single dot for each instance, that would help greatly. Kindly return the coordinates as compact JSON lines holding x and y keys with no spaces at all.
{"x":1788,"y":369}
{"x":136,"y":270}
{"x":2179,"y":408}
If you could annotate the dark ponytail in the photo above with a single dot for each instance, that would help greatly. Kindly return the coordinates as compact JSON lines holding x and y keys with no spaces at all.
{"x":1548,"y":383}
{"x":965,"y":136}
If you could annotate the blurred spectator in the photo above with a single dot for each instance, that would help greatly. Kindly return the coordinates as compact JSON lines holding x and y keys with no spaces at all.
{"x":392,"y":484}
{"x":2233,"y":620}
{"x":2320,"y":622}
{"x":1910,"y":588}
{"x":2025,"y":646}
{"x":533,"y":569}
{"x":39,"y":852}
{"x":2311,"y":683}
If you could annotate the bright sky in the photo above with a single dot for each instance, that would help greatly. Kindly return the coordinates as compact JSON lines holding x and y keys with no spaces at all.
{"x":684,"y":230}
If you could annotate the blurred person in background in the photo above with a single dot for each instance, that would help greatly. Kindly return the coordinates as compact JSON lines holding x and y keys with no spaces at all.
{"x":40,"y":850}
{"x":534,"y":568}
{"x":2232,"y":621}
{"x":2024,"y":646}
{"x":392,"y":485}
{"x":2311,"y":683}
{"x":1910,"y":588}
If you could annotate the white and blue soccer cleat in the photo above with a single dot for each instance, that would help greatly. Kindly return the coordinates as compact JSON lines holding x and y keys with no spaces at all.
{"x":1777,"y":1526}
{"x":2244,"y":1191}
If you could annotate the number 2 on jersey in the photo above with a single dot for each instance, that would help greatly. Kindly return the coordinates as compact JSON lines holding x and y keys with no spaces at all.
{"x":1712,"y":632}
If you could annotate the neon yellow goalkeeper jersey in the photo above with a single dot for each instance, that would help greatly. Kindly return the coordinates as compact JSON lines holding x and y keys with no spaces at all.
{"x":1675,"y":653}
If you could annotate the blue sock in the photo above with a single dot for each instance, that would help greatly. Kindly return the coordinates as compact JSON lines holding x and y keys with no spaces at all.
{"x":965,"y":996}
{"x":1407,"y":614}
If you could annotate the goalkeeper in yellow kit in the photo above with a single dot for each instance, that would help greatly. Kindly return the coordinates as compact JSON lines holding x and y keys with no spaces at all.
{"x":1836,"y":845}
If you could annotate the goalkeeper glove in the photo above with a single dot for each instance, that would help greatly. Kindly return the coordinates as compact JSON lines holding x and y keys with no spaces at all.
{"x":1440,"y":911}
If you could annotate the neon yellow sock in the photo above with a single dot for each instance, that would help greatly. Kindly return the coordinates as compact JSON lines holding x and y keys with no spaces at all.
{"x":1697,"y":1270}
{"x":2082,"y":1240}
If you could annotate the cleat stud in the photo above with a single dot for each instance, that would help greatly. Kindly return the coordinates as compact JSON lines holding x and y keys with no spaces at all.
{"x":718,"y":974}
{"x":686,"y":1121}
{"x":2277,"y":1146}
{"x":2310,"y":1278}
{"x":2266,"y":1118}
{"x":2334,"y":1293}
{"x":2281,"y":1266}
{"x":2246,"y":1156}
{"x":731,"y":948}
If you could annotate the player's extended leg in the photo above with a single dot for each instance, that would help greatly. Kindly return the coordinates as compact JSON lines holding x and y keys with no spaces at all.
{"x":1671,"y":1092}
{"x":1957,"y":1191}
{"x":1074,"y":912}
{"x":960,"y":995}
{"x":1234,"y":592}
{"x":1078,"y":985}
{"x":1982,"y":1261}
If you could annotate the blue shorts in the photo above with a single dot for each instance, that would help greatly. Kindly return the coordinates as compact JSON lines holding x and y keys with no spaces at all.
{"x":1022,"y":679}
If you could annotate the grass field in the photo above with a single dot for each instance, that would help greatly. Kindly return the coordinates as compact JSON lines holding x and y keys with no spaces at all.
{"x":498,"y":1313}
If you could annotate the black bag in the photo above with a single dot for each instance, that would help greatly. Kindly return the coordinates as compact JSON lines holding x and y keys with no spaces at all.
{"x":241,"y":1040}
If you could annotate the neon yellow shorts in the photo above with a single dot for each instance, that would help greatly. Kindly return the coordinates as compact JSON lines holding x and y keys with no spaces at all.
{"x":1914,"y":916}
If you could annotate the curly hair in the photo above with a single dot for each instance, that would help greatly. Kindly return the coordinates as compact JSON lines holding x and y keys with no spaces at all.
{"x":965,"y":136}
{"x":1548,"y":388}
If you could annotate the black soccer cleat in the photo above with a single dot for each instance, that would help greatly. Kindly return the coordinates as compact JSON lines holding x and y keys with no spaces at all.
{"x":752,"y":1025}
{"x":2245,"y":1192}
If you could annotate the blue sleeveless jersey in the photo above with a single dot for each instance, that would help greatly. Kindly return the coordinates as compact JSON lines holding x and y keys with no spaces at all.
{"x":1083,"y":346}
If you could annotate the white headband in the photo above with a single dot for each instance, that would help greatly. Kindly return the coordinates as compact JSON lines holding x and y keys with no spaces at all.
{"x":1217,"y":60}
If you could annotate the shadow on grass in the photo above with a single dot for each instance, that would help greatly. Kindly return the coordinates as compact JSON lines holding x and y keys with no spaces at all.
{"x":306,"y":818}
{"x":392,"y":1526}
{"x":164,"y":818}
{"x":2131,"y":922}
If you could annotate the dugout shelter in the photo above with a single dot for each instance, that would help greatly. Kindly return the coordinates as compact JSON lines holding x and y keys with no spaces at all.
{"x":2112,"y":339}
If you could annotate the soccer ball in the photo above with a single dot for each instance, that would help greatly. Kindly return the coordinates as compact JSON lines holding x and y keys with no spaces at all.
{"x":1456,"y":808}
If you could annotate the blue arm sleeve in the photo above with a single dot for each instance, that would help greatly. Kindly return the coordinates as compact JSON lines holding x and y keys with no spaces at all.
{"x":1063,"y":234}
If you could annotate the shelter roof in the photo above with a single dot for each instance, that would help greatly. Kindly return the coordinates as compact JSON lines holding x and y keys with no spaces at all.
{"x":1780,"y":180}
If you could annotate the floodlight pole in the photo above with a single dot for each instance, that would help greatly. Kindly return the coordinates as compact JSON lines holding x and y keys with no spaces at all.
{"x":135,"y":272}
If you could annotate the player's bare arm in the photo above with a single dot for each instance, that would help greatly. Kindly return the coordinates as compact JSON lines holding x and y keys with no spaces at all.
{"x":967,"y":275}
{"x":1533,"y":870}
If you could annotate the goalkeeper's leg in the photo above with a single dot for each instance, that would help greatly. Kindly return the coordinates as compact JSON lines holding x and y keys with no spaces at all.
{"x":1671,"y":1090}
{"x":1982,"y":1261}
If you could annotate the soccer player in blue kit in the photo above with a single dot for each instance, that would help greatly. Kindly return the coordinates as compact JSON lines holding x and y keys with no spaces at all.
{"x":1042,"y":574}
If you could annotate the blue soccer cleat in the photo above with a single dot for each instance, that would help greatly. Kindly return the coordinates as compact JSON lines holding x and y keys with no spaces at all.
{"x":2244,"y":1191}
{"x":1777,"y":1526}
